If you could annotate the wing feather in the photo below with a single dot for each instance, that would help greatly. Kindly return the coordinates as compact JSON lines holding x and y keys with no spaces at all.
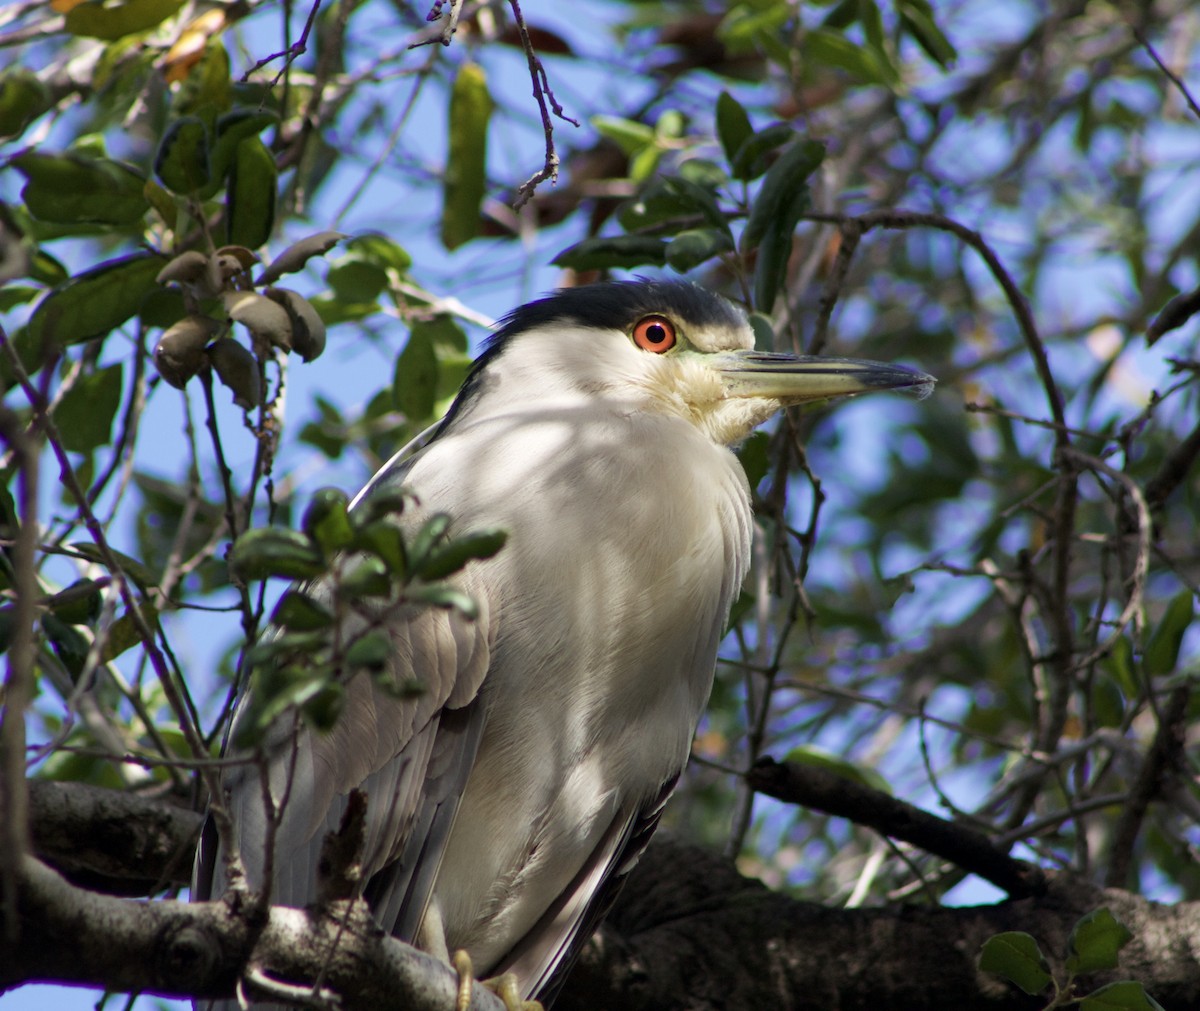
{"x":411,"y":752}
{"x":543,"y":957}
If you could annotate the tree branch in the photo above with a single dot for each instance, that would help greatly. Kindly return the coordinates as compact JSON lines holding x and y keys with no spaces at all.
{"x":688,"y":933}
{"x":182,"y":949}
{"x":967,"y":848}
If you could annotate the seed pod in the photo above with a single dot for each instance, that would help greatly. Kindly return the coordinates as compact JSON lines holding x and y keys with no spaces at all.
{"x":308,"y":329}
{"x":261,"y":316}
{"x":186,"y":267}
{"x":237,"y":369}
{"x":298,"y":254}
{"x":179,"y":354}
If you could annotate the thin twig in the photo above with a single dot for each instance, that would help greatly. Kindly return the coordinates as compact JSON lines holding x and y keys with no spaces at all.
{"x":1170,"y":74}
{"x":19,"y":683}
{"x":541,"y":94}
{"x":124,"y":585}
{"x":292,"y":52}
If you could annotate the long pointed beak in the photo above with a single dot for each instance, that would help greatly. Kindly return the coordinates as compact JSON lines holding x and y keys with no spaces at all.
{"x":799,"y":380}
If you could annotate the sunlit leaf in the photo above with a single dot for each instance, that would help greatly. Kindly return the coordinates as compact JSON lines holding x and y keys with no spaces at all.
{"x":250,"y":195}
{"x":272,"y":551}
{"x":445,"y":561}
{"x":465,"y":180}
{"x":104,"y":19}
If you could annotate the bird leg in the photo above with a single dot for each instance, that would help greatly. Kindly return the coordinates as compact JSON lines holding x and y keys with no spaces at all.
{"x":503,"y":986}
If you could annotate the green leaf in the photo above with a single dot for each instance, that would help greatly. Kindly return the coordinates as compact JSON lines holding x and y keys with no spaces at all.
{"x":72,"y":189}
{"x":123,"y":633}
{"x":1162,"y":652}
{"x":661,"y":204}
{"x":630,"y":136}
{"x":92,"y":303}
{"x":700,"y":199}
{"x":753,"y":157}
{"x":381,"y":251}
{"x":325,"y":706}
{"x":785,"y":180}
{"x":733,"y":125}
{"x":749,"y":25}
{"x":356,"y":281}
{"x":1095,"y":941}
{"x":207,"y":90}
{"x":453,"y":556}
{"x":14,"y":295}
{"x":414,"y":385}
{"x":371,"y":650}
{"x":23,"y":97}
{"x":426,"y":539}
{"x":819,"y":758}
{"x":764,"y":331}
{"x":916,"y":17}
{"x":275,"y":689}
{"x":1016,"y":956}
{"x":327,"y":521}
{"x":754,"y":456}
{"x":831,"y":49}
{"x":385,"y":502}
{"x":774,"y":251}
{"x":250,"y":195}
{"x":1126,"y":995}
{"x":85,"y":413}
{"x":78,"y":604}
{"x":367,"y":576}
{"x":613,"y":252}
{"x":103,"y":19}
{"x":385,"y":541}
{"x":440,"y":595}
{"x":1119,"y":666}
{"x":273,"y":551}
{"x":234,"y":127}
{"x":301,"y":612}
{"x":68,"y":643}
{"x":465,"y":179}
{"x":691,"y":248}
{"x":182,"y":161}
{"x":131,"y":567}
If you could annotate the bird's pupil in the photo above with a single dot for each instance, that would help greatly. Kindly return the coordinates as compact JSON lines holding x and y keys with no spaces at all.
{"x":656,"y":333}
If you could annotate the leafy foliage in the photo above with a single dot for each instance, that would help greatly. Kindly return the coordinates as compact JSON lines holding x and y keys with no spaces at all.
{"x":1093,"y":946}
{"x":983,"y":603}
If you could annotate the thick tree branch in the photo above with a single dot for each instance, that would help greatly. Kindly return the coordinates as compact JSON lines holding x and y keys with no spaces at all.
{"x":181,"y":949}
{"x":691,"y":933}
{"x":111,"y":841}
{"x":688,"y":933}
{"x":966,"y":847}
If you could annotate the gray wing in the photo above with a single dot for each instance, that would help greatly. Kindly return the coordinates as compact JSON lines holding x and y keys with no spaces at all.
{"x":411,"y":754}
{"x":544,"y":956}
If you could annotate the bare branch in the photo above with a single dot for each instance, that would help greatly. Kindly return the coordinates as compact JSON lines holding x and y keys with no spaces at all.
{"x":542,"y":95}
{"x":966,"y":847}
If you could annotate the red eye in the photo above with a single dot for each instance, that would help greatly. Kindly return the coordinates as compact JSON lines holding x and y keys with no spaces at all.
{"x":654,"y":333}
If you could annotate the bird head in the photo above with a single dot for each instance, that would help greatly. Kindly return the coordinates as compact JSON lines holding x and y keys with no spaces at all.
{"x":662,"y":346}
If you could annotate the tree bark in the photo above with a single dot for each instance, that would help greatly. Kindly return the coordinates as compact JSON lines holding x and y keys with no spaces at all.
{"x":689,"y":932}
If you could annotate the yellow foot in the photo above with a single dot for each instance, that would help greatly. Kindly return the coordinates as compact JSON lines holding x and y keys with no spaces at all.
{"x":504,"y":987}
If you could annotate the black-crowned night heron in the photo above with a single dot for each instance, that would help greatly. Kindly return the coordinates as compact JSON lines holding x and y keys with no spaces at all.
{"x":506,"y":800}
